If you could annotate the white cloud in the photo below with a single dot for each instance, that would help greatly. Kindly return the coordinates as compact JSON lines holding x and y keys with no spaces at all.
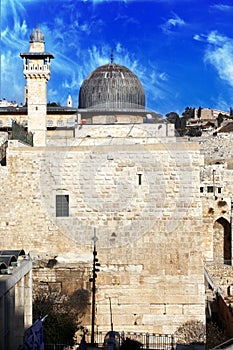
{"x":11,"y":81}
{"x":175,"y":21}
{"x":163,"y":76}
{"x":219,"y":54}
{"x":67,"y":35}
{"x":215,"y":38}
{"x":15,"y":36}
{"x":172,"y":23}
{"x":60,"y":37}
{"x":96,"y":2}
{"x":222,"y":104}
{"x":119,"y":48}
{"x":200,"y":37}
{"x":222,"y":7}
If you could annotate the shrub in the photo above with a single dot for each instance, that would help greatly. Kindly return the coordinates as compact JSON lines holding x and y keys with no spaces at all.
{"x":191,"y":332}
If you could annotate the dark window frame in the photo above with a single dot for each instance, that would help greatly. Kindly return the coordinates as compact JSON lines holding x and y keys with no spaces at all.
{"x":62,"y":205}
{"x":139,"y":179}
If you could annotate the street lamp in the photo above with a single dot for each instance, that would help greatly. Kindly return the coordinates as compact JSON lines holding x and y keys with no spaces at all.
{"x":93,"y":279}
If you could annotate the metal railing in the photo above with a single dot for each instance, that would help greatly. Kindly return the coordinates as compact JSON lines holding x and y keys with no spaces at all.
{"x":58,"y":347}
{"x":148,"y":340}
{"x":226,"y":345}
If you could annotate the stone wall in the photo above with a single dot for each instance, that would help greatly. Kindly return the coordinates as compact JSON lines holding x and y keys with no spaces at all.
{"x":58,"y":119}
{"x":145,"y":204}
{"x":217,"y":188}
{"x":216,"y":185}
{"x":217,"y":149}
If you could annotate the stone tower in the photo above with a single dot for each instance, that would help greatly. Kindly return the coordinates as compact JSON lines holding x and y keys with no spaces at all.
{"x":69,"y":101}
{"x":37,"y":74}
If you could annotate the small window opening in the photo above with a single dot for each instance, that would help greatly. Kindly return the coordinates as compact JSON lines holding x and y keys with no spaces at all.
{"x":210,"y":189}
{"x":201,"y":189}
{"x":219,"y":190}
{"x":62,"y":205}
{"x":139,"y":179}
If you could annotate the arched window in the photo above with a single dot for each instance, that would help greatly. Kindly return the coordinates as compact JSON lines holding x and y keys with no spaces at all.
{"x":49,"y":123}
{"x":70,"y":122}
{"x":60,"y":123}
{"x":222,"y":241}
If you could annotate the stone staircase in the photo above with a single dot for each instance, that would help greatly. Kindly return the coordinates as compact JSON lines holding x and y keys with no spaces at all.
{"x":219,"y":297}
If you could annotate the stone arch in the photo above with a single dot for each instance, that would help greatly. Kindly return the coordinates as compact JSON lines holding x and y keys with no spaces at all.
{"x":222,"y":241}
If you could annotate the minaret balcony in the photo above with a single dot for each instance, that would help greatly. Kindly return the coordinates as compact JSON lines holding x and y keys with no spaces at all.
{"x":36,"y":68}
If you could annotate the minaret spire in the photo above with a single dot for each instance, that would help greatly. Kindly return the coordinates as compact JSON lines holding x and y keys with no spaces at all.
{"x":112,"y":56}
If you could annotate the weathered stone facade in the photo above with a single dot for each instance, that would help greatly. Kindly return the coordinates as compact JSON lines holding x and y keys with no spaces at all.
{"x":141,"y":224}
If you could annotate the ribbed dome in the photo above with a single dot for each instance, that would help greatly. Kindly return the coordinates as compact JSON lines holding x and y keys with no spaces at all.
{"x":37,"y":36}
{"x":112,"y":86}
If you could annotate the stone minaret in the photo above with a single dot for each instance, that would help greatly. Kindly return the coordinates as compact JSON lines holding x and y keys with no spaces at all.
{"x":37,"y":74}
{"x":69,"y":101}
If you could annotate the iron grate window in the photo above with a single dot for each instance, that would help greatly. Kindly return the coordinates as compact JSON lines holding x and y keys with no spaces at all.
{"x":62,"y":205}
{"x":210,"y":189}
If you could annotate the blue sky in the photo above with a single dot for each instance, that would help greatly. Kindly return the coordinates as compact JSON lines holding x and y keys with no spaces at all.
{"x":181,"y":50}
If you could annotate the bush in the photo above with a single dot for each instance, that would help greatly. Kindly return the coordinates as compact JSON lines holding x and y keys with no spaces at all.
{"x":64,"y":313}
{"x":191,"y":332}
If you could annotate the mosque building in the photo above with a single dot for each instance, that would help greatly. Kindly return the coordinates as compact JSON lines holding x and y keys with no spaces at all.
{"x":100,"y":170}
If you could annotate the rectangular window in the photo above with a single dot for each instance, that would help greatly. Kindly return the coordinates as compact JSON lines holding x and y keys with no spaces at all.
{"x":219,"y":190}
{"x":62,"y":205}
{"x":201,"y":189}
{"x":210,"y":189}
{"x":139,"y":179}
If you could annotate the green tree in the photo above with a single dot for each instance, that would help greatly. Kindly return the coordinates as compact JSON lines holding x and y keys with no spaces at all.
{"x":174,"y":118}
{"x":64,"y":314}
{"x":220,"y":119}
{"x":188,"y":113}
{"x":199,"y":112}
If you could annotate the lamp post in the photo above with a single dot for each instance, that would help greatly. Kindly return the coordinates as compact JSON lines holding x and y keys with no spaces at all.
{"x":93,"y":279}
{"x":110,"y":304}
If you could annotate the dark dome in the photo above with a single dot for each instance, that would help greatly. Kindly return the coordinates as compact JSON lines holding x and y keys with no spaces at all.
{"x":37,"y":36}
{"x":112,"y":86}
